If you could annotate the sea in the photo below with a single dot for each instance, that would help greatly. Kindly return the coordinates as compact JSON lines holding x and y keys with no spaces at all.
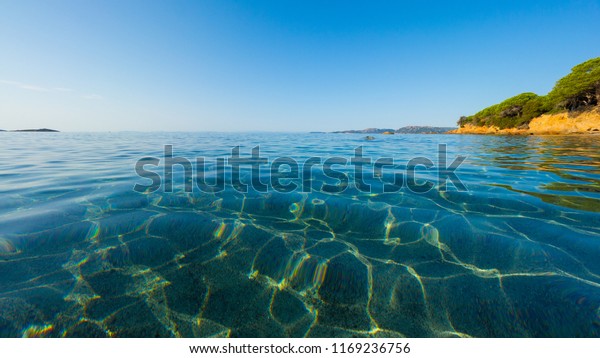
{"x":298,"y":235}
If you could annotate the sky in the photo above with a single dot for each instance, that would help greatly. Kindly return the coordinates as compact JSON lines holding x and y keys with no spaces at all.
{"x":220,"y":65}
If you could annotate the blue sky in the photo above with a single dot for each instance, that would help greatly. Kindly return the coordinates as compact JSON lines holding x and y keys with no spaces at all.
{"x":279,"y":65}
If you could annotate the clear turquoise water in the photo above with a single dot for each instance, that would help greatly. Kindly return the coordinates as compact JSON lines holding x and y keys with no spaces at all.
{"x":82,"y":254}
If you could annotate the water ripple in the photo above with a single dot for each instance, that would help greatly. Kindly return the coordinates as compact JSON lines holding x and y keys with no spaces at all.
{"x":83,"y":255}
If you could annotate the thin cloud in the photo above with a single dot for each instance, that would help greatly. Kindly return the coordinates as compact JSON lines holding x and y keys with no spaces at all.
{"x":37,"y":88}
{"x":34,"y":88}
{"x":10,"y":82}
{"x":25,"y":86}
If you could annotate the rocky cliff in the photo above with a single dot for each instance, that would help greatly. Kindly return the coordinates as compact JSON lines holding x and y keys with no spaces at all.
{"x":580,"y":122}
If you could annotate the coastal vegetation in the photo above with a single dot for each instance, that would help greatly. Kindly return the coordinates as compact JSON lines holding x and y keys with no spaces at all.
{"x":576,"y":92}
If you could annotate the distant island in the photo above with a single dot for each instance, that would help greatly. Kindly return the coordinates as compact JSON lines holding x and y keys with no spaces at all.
{"x":423,"y":130}
{"x":403,"y":130}
{"x":31,"y":130}
{"x":571,"y":107}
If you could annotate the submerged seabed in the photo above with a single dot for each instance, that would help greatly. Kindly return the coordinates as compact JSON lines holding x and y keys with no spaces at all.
{"x":82,"y":254}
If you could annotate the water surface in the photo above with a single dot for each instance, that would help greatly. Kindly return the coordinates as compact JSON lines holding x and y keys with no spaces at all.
{"x":82,"y":254}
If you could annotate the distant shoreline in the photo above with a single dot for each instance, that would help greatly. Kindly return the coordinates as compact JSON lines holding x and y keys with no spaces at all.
{"x":403,"y":130}
{"x":44,"y":130}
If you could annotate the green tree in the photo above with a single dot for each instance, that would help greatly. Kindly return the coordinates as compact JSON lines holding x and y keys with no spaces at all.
{"x":513,"y":112}
{"x":580,"y":88}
